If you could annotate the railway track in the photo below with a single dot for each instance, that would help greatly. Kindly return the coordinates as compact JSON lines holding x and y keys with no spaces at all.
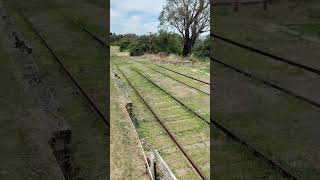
{"x":267,"y":83}
{"x":231,"y":135}
{"x":177,"y":80}
{"x":267,"y":54}
{"x":65,"y":69}
{"x":176,"y":99}
{"x":176,"y":133}
{"x":85,"y":29}
{"x":198,"y":80}
{"x":181,"y":82}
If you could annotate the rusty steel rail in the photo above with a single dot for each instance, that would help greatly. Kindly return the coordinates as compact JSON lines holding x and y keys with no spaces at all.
{"x":267,"y":83}
{"x":234,"y":137}
{"x":171,"y":135}
{"x":77,"y":23}
{"x":72,"y":78}
{"x":272,"y":56}
{"x":166,"y":75}
{"x":85,"y":29}
{"x":184,"y":75}
{"x":275,"y":165}
{"x":95,"y":37}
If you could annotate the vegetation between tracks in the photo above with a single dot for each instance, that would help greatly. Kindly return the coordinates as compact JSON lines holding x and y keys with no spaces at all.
{"x":184,"y":125}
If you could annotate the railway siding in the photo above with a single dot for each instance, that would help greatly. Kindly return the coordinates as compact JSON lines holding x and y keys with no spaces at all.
{"x":141,"y":88}
{"x":196,"y":101}
{"x":139,"y":67}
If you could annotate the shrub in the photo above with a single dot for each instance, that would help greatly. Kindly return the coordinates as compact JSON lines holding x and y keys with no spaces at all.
{"x":202,"y":48}
{"x":127,"y":41}
{"x":169,"y":42}
{"x":137,"y":51}
{"x":115,"y":39}
{"x":154,"y":43}
{"x":139,"y":47}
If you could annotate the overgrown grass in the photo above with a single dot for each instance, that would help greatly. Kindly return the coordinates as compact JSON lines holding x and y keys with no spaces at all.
{"x":149,"y":130}
{"x":126,"y":157}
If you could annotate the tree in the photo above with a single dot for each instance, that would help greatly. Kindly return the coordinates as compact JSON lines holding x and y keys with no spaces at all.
{"x":189,"y":17}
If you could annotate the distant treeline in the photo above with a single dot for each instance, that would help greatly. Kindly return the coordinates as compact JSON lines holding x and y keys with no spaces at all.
{"x":163,"y":41}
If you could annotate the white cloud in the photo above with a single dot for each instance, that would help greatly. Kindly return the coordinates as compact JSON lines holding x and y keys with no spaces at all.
{"x":135,"y":16}
{"x":147,"y":6}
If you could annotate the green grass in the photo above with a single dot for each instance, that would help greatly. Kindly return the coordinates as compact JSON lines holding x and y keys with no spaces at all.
{"x":126,"y":158}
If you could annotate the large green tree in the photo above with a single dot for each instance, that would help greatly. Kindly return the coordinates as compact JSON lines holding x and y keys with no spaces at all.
{"x":189,"y":17}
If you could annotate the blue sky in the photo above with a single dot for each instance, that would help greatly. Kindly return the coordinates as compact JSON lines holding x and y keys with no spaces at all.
{"x":135,"y":16}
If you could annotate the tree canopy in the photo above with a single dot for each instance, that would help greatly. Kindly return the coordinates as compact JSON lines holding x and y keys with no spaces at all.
{"x":188,"y":17}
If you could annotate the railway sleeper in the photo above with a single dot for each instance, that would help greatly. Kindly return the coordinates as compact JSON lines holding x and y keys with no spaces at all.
{"x":181,"y":120}
{"x":160,"y":98}
{"x":166,"y":105}
{"x":179,"y":117}
{"x":187,"y":147}
{"x":174,"y":107}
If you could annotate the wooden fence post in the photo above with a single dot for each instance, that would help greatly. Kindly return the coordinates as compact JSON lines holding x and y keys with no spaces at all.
{"x":152,"y":163}
{"x":265,"y":5}
{"x":236,"y":5}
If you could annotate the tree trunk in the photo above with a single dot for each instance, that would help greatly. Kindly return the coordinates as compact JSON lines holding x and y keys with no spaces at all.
{"x":186,"y":44}
{"x":186,"y":48}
